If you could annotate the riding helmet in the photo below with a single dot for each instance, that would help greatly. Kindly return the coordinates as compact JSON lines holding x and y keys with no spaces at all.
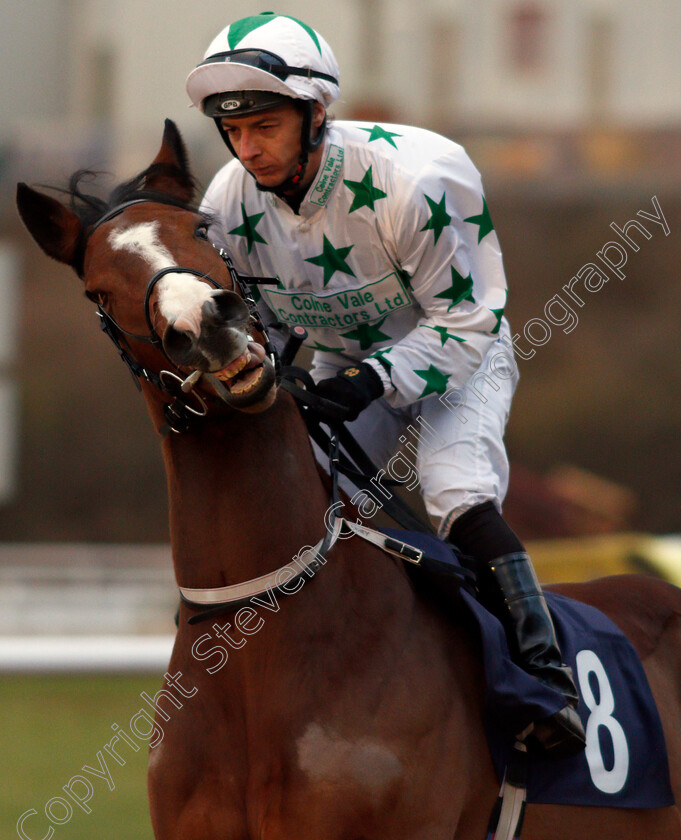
{"x":263,"y":61}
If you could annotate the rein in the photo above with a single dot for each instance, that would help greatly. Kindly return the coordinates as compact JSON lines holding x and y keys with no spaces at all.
{"x":350,"y":461}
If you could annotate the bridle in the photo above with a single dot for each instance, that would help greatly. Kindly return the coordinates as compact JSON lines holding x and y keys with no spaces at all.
{"x":180,"y":389}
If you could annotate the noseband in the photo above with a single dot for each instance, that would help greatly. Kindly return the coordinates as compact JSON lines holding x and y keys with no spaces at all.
{"x":179,"y":412}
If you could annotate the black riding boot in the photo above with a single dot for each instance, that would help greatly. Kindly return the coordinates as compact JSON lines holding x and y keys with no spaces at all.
{"x":532,"y":637}
{"x":510,"y":589}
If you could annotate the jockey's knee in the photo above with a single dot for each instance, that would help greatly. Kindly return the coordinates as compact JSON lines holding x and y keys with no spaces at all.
{"x":482,"y":534}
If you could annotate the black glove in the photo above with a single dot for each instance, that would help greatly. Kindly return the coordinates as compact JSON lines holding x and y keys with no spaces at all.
{"x":353,"y":387}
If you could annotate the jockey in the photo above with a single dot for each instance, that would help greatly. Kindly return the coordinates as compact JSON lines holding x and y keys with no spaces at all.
{"x":384,"y":250}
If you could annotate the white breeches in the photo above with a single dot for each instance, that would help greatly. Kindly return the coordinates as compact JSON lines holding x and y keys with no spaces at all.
{"x":452,"y":445}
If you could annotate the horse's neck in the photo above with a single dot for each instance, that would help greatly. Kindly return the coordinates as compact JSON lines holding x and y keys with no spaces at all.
{"x":245,"y":496}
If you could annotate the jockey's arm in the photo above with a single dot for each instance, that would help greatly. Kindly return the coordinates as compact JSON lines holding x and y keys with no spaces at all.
{"x":447,"y":250}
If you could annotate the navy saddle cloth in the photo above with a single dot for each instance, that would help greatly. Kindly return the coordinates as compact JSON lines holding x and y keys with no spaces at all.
{"x":625,"y":763}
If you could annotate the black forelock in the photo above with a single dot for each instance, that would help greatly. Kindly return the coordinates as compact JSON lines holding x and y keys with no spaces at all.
{"x":91,"y":207}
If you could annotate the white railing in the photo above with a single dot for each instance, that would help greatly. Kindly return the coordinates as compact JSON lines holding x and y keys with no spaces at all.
{"x":86,"y":607}
{"x":77,"y":654}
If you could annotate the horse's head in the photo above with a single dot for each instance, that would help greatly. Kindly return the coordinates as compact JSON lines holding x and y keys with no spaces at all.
{"x":164,"y":292}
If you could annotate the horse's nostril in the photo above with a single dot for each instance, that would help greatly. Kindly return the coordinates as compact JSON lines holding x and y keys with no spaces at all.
{"x":229,"y":308}
{"x":179,"y":345}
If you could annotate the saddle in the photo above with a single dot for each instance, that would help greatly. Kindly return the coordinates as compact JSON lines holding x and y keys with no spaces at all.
{"x":625,"y":763}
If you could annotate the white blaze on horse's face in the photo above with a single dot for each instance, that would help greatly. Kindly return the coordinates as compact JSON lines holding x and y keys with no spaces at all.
{"x":142,"y":240}
{"x":180,"y":296}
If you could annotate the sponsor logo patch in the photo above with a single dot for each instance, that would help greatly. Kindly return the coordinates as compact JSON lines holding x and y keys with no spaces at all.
{"x":340,"y":310}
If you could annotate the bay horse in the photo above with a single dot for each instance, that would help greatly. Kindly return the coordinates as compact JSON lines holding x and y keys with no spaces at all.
{"x":352,"y":709}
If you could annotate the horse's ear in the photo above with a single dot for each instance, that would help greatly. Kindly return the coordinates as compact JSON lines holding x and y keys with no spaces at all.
{"x":170,"y":173}
{"x":53,"y":226}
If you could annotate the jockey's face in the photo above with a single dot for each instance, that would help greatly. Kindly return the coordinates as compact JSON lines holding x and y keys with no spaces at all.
{"x":268,"y":143}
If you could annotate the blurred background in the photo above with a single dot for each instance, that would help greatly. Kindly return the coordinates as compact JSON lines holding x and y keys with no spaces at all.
{"x":571,"y":109}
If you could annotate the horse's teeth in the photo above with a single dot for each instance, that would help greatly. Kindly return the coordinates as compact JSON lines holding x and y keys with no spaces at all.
{"x":235,"y":367}
{"x":241,"y":388}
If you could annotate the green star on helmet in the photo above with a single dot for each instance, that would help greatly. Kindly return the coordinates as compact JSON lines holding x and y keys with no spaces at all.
{"x":483,"y":220}
{"x":332,"y":260}
{"x":366,"y":194}
{"x":248,"y":230}
{"x":240,"y":28}
{"x":439,"y":218}
{"x":436,"y":381}
{"x":367,"y":334}
{"x":380,"y":133}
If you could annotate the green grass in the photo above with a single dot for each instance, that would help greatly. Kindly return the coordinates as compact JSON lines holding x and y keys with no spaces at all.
{"x":50,"y":727}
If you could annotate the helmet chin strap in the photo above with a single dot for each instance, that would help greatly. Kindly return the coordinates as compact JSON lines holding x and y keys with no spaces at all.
{"x":291,"y":185}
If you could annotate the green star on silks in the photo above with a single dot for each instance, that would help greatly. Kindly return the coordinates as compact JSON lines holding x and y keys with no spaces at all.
{"x":380,"y":133}
{"x":324,"y":348}
{"x":436,"y":381}
{"x":405,"y":277}
{"x":461,"y":289}
{"x":484,"y":220}
{"x":444,"y":335}
{"x":332,"y":260}
{"x":366,"y":194}
{"x":498,"y":314}
{"x":248,"y":228}
{"x":380,"y":355}
{"x":367,"y":334}
{"x":439,"y":218}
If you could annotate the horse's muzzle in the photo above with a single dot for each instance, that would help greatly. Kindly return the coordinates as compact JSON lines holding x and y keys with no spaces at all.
{"x":232,"y":362}
{"x":213,"y":340}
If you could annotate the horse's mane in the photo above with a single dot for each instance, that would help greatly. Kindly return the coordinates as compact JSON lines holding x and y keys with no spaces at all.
{"x":90,"y":208}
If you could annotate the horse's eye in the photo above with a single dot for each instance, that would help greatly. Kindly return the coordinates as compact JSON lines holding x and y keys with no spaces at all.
{"x":201,"y":231}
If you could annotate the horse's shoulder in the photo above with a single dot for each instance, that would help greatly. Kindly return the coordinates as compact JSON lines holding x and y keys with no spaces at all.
{"x":642,"y":607}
